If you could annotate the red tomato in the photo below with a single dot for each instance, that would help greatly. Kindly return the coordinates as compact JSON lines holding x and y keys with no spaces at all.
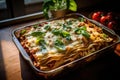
{"x":104,"y":20}
{"x":96,"y":16}
{"x":111,"y":24}
{"x":109,"y":17}
{"x":117,"y":49}
{"x":110,"y":13}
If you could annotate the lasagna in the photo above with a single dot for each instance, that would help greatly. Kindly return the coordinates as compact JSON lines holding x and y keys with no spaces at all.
{"x":57,"y":42}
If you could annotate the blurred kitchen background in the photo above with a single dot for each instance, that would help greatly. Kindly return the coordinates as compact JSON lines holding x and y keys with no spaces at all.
{"x":15,"y":8}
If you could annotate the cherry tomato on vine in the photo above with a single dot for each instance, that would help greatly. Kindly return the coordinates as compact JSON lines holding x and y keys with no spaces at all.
{"x":109,"y":16}
{"x":104,"y":20}
{"x":96,"y":16}
{"x":111,"y":24}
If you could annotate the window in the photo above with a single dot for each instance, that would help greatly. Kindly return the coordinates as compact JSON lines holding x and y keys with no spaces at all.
{"x":32,"y":6}
{"x":32,"y":1}
{"x":13,"y":8}
{"x":3,"y":10}
{"x":3,"y":4}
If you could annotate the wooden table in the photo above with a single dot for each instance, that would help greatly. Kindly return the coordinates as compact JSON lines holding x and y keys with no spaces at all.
{"x":14,"y":67}
{"x":10,"y":58}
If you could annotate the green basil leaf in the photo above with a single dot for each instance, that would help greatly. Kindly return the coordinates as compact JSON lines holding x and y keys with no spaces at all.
{"x":66,"y":27}
{"x":42,"y":43}
{"x":73,"y":5}
{"x":47,"y":27}
{"x":65,"y":34}
{"x":82,"y":30}
{"x":85,"y":33}
{"x":105,"y":35}
{"x":22,"y":31}
{"x":59,"y":45}
{"x":40,"y":40}
{"x":56,"y":32}
{"x":36,"y":34}
{"x":81,"y":19}
{"x":69,"y":22}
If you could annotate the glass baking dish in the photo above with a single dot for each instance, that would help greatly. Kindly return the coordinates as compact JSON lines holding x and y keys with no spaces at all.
{"x":48,"y":74}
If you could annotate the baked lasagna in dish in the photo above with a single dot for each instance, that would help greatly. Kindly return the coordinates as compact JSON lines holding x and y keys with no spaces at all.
{"x":54,"y":43}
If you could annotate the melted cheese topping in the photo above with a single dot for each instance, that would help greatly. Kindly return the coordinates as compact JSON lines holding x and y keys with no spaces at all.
{"x":68,"y":27}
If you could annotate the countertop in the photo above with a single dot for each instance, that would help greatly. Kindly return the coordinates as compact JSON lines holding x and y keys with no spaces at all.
{"x":14,"y":67}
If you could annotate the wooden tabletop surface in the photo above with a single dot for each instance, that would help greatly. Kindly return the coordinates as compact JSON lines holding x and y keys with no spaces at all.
{"x":10,"y":58}
{"x":14,"y":67}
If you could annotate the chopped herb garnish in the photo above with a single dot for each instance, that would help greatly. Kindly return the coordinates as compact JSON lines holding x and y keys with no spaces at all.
{"x":35,"y":26}
{"x":47,"y":27}
{"x":43,"y":48}
{"x":65,"y":34}
{"x":42,"y":43}
{"x":22,"y":31}
{"x":69,"y":22}
{"x":66,"y":27}
{"x":81,"y":19}
{"x":82,"y":30}
{"x":85,"y":33}
{"x":68,"y":38}
{"x":56,"y":32}
{"x":36,"y":34}
{"x":62,"y":33}
{"x":59,"y":45}
{"x":105,"y":35}
{"x":40,"y":40}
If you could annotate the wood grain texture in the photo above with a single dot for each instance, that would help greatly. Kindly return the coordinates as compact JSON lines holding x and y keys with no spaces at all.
{"x":10,"y":56}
